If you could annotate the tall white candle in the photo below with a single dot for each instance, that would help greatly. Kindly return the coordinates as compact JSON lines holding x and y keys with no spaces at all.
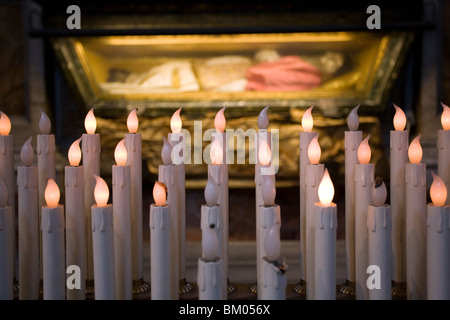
{"x":103,"y":242}
{"x":438,"y":237}
{"x":416,"y":228}
{"x":399,"y":158}
{"x":121,"y":201}
{"x":314,"y":173}
{"x":28,"y":216}
{"x":443,"y":146}
{"x":90,"y":142}
{"x":6,"y":245}
{"x":75,"y":219}
{"x":161,"y":265}
{"x":54,"y":271}
{"x":379,"y":225}
{"x":364,"y":179}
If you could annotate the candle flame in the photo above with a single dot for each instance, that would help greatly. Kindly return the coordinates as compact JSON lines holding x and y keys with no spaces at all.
{"x":74,"y":153}
{"x":159,"y":193}
{"x":101,"y":192}
{"x":90,"y":123}
{"x":264,"y":152}
{"x":211,"y":192}
{"x":268,"y":190}
{"x":3,"y":193}
{"x":219,"y":120}
{"x":364,"y":152}
{"x":120,"y":153}
{"x":353,"y":119}
{"x":379,"y":192}
{"x":5,"y":124}
{"x":415,"y":151}
{"x":44,"y":123}
{"x":27,"y":153}
{"x":210,"y":244}
{"x":314,"y":150}
{"x":51,"y":193}
{"x":445,"y":118}
{"x":272,"y":243}
{"x":216,"y":152}
{"x":175,"y":122}
{"x":438,"y":191}
{"x":132,"y":121}
{"x":263,"y":119}
{"x":399,"y":119}
{"x":307,"y":120}
{"x":326,"y":190}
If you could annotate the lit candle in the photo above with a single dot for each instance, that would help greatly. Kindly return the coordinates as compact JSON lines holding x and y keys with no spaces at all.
{"x":28,"y":216}
{"x":398,"y":157}
{"x":443,"y":146}
{"x":75,"y":219}
{"x":364,"y":179}
{"x":161,"y":266}
{"x":6,"y":245}
{"x":438,"y":237}
{"x":54,"y":271}
{"x":263,"y":141}
{"x":121,"y":201}
{"x":90,"y":142}
{"x":103,"y":242}
{"x":314,"y":173}
{"x":379,"y":225}
{"x":416,"y":228}
{"x":133,"y":143}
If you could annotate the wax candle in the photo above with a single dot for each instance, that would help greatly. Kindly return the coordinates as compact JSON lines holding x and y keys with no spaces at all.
{"x":438,"y":237}
{"x":103,"y":242}
{"x":314,"y":173}
{"x":379,"y":225}
{"x":6,"y":245}
{"x":133,"y":143}
{"x":28,"y":216}
{"x":262,"y":147}
{"x":75,"y":219}
{"x":443,"y":146}
{"x":121,"y":202}
{"x":53,"y":252}
{"x":398,"y":159}
{"x":415,"y":213}
{"x":161,"y":266}
{"x":90,"y":142}
{"x":364,"y":179}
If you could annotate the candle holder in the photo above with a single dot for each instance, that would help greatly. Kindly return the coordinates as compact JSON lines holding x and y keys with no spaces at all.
{"x":347,"y":288}
{"x":399,"y":290}
{"x":140,"y":286}
{"x":300,"y":287}
{"x":232,"y":288}
{"x":185,"y":286}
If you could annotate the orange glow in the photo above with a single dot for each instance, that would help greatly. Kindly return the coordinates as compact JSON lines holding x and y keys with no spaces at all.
{"x":326,"y":190}
{"x":216,"y":152}
{"x":51,"y":193}
{"x":314,"y":150}
{"x":220,"y":121}
{"x":445,"y":118}
{"x":264,"y":153}
{"x":132,"y":121}
{"x":90,"y":123}
{"x":120,"y":153}
{"x":175,"y":122}
{"x":399,"y":119}
{"x":159,"y":193}
{"x":438,"y":191}
{"x":5,"y":124}
{"x":364,"y":152}
{"x":74,"y":153}
{"x":101,"y":192}
{"x":415,"y":151}
{"x":307,"y":120}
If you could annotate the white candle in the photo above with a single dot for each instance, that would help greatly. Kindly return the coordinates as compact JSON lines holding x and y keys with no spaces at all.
{"x":6,"y":245}
{"x":314,"y":173}
{"x":379,"y":225}
{"x":353,"y":138}
{"x":364,"y":179}
{"x":133,"y":143}
{"x":438,"y":237}
{"x":443,"y":146}
{"x":54,"y":271}
{"x":416,"y":228}
{"x":167,"y":174}
{"x":28,"y":216}
{"x":103,"y":242}
{"x":91,"y":163}
{"x":121,"y":201}
{"x":161,"y":265}
{"x":75,"y":219}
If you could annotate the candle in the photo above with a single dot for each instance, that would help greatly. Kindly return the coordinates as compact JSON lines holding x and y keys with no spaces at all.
{"x":353,"y":138}
{"x":6,"y":245}
{"x":364,"y":178}
{"x":262,"y":152}
{"x":133,"y":143}
{"x":75,"y":219}
{"x":273,"y":283}
{"x":121,"y":183}
{"x":398,"y":159}
{"x":305,"y":138}
{"x":28,"y":216}
{"x":415,"y":213}
{"x":103,"y":242}
{"x":438,"y":237}
{"x":161,"y":266}
{"x":443,"y":146}
{"x":379,"y":225}
{"x":54,"y":271}
{"x":91,"y":163}
{"x":167,"y":174}
{"x":314,"y":173}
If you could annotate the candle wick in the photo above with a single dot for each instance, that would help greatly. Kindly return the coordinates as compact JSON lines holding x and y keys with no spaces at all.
{"x":378,"y":182}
